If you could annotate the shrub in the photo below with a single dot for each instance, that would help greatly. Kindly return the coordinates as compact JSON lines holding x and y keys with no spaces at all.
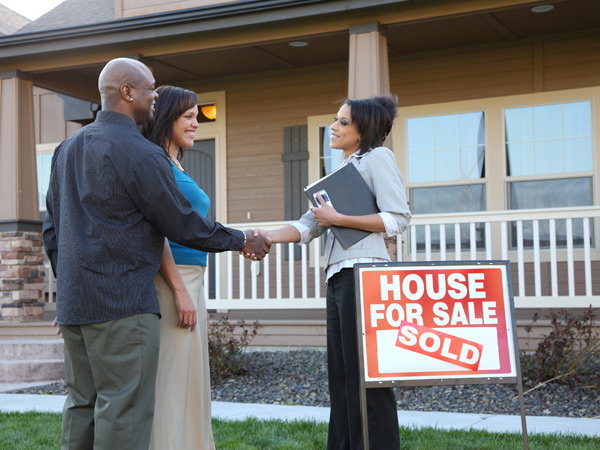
{"x":569,"y":353}
{"x":226,"y":349}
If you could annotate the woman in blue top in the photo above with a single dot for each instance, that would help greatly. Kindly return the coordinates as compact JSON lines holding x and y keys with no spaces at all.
{"x":182,"y":417}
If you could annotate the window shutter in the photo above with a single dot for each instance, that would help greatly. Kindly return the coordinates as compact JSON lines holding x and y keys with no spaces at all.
{"x":295,"y":164}
{"x":295,"y":169}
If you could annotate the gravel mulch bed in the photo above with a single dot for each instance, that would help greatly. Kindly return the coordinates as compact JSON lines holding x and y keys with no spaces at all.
{"x":300,"y":378}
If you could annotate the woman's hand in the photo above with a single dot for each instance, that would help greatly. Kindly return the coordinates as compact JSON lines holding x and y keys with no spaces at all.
{"x":186,"y":311}
{"x":262,"y":231}
{"x":286,"y":233}
{"x":325,"y":215}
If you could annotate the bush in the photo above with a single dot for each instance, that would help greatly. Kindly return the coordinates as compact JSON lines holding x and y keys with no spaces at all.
{"x":227,"y":352}
{"x":569,"y":353}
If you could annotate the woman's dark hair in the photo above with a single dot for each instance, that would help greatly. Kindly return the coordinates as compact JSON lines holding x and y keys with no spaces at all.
{"x":373,"y":117}
{"x":171,"y":104}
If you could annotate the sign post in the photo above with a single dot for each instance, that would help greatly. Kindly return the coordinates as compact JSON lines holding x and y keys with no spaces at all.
{"x":436,"y":323}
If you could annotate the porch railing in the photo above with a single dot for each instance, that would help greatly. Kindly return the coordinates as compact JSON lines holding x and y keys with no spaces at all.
{"x":565,"y":272}
{"x":554,"y":255}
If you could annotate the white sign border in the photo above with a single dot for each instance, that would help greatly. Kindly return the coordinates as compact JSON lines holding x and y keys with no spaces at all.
{"x":509,"y":377}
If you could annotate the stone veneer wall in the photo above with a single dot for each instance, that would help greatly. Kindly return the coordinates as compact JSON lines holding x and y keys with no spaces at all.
{"x":22,"y":275}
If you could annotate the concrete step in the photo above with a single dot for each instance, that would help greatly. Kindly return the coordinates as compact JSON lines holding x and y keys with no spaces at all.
{"x":27,"y":349}
{"x":27,"y":330}
{"x":31,"y":370}
{"x":29,"y":360}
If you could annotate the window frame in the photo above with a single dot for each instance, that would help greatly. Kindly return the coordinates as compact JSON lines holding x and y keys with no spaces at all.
{"x":401,"y":136}
{"x":216,"y":130}
{"x":314,"y":125}
{"x":497,"y":182}
{"x":43,"y":149}
{"x":495,"y":143}
{"x":508,"y":179}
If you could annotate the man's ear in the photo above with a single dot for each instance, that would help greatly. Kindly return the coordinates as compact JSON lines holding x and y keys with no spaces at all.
{"x":126,"y":93}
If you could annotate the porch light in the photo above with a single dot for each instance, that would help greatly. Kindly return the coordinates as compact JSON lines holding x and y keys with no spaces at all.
{"x":542,"y":8}
{"x":298,"y":44}
{"x":209,"y":113}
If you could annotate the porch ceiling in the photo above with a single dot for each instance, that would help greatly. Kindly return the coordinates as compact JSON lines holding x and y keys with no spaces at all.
{"x":495,"y":26}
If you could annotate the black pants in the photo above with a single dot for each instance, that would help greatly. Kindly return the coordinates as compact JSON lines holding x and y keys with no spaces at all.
{"x":345,"y":425}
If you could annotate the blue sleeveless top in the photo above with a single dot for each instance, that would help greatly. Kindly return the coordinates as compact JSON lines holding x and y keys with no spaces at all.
{"x":200,"y":202}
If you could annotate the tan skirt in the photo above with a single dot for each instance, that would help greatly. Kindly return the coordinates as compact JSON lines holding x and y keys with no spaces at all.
{"x":182,"y":407}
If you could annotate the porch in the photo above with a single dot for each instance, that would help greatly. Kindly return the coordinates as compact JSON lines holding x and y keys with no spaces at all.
{"x":553,"y":254}
{"x":555,"y":264}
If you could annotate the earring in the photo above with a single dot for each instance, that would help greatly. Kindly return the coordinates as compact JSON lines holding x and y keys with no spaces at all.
{"x":130,"y":99}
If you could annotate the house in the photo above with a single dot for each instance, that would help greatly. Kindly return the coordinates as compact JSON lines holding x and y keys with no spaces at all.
{"x":496,"y":136}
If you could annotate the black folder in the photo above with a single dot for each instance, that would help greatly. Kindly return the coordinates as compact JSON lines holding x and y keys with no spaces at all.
{"x":349,"y":194}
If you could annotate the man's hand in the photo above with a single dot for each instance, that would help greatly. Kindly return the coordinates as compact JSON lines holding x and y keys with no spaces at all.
{"x":256,"y":246}
{"x":55,"y":324}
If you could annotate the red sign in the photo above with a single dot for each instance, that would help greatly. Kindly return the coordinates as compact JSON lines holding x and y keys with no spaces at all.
{"x":446,"y":321}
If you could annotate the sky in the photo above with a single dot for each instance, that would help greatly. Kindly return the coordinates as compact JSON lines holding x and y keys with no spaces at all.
{"x":32,"y":9}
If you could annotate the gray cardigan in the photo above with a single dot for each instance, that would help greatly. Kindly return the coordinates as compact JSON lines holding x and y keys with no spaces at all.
{"x":378,"y":168}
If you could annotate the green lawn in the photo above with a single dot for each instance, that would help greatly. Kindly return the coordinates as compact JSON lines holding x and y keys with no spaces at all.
{"x":39,"y":431}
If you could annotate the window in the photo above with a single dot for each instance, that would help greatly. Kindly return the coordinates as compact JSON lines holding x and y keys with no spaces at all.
{"x":322,"y":159}
{"x":445,"y":148}
{"x":549,"y":139}
{"x":44,"y":154}
{"x":446,"y":169}
{"x":329,"y":158}
{"x":526,"y":151}
{"x":549,"y":162}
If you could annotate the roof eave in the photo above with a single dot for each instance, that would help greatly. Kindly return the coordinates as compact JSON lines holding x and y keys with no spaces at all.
{"x":175,"y":23}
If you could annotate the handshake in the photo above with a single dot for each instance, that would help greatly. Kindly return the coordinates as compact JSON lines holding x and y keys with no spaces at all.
{"x":257,"y":245}
{"x":258,"y":240}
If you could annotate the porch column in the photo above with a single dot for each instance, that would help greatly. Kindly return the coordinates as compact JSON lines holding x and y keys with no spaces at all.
{"x":369,"y":75}
{"x":368,"y":71}
{"x":21,"y":253}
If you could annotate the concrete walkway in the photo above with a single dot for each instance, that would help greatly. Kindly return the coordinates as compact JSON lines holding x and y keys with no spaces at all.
{"x":414,"y":419}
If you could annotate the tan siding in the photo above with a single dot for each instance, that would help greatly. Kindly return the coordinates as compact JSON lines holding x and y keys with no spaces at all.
{"x":529,"y":340}
{"x":50,"y":126}
{"x":453,"y":76}
{"x":72,"y":127}
{"x":562,"y":281}
{"x":495,"y":71}
{"x":259,"y":106}
{"x":572,"y":63}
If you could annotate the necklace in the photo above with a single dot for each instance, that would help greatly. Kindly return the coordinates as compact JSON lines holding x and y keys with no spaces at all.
{"x":176,"y":162}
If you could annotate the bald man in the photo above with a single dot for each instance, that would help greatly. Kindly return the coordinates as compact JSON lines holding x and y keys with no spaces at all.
{"x":111,"y":201}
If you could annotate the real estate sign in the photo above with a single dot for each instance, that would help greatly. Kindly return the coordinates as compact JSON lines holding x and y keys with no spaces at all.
{"x":423,"y":323}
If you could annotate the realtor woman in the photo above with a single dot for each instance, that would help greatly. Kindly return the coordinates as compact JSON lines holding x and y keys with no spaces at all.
{"x":359,"y":129}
